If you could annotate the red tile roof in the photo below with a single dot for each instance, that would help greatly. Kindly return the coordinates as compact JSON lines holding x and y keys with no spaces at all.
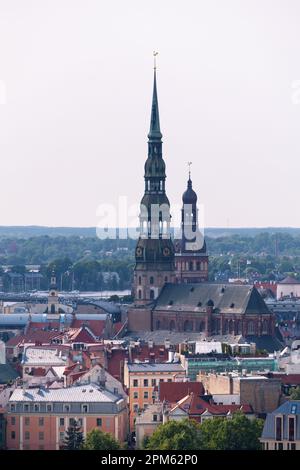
{"x":39,"y":337}
{"x":96,"y":326}
{"x":115,"y":362}
{"x":157,"y":353}
{"x":82,"y":335}
{"x":39,"y":372}
{"x":195,"y":405}
{"x":172,"y":392}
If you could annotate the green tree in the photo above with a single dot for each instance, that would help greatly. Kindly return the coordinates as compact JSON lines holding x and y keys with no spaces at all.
{"x":98,"y":440}
{"x":295,"y":393}
{"x":74,"y":438}
{"x":236,"y":433}
{"x":175,"y":435}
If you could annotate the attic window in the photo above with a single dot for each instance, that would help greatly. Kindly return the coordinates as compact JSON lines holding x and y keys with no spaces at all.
{"x":171,"y":302}
{"x":232,"y":305}
{"x":199,"y":304}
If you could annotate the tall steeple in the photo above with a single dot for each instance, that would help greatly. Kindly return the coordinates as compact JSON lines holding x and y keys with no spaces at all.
{"x":154,"y":132}
{"x":154,"y":253}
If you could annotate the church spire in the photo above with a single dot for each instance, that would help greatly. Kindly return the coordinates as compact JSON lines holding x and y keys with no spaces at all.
{"x":154,"y":133}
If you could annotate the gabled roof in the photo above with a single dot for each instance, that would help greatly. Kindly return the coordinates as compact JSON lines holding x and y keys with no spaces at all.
{"x":81,"y":335}
{"x":228,"y":298}
{"x":96,"y":326}
{"x":195,"y":405}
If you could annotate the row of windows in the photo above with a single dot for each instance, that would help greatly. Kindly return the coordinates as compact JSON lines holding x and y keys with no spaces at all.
{"x":49,"y":408}
{"x":136,"y":395}
{"x":279,"y":446}
{"x":148,"y":383}
{"x":136,"y":407}
{"x":99,"y":423}
{"x":279,"y":428}
{"x":151,"y":280}
{"x":229,"y":326}
{"x":191,"y":266}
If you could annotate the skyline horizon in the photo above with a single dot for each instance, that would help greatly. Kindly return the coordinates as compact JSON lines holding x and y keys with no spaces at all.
{"x":74,"y":113}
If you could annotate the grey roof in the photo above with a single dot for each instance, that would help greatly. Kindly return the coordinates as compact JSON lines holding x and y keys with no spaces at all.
{"x":288,"y":408}
{"x":153,"y":367}
{"x":42,"y":356}
{"x":267,"y":342}
{"x":228,"y":298}
{"x":289,"y":280}
{"x":7,"y":373}
{"x":109,"y":307}
{"x":79,"y":394}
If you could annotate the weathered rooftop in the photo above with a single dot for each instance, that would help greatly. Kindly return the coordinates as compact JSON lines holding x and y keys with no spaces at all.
{"x":79,"y":394}
{"x":228,"y":298}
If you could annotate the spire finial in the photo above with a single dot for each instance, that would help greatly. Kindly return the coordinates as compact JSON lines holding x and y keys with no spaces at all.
{"x":189,"y":165}
{"x":154,"y":55}
{"x":154,"y":133}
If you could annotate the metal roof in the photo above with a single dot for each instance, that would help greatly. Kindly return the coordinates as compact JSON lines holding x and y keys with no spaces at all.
{"x":79,"y":394}
{"x":153,"y":367}
{"x":228,"y":298}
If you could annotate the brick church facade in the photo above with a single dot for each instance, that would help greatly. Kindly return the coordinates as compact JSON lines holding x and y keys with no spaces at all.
{"x":171,"y":289}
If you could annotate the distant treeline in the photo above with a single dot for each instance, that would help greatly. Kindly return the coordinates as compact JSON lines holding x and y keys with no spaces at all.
{"x":84,"y":263}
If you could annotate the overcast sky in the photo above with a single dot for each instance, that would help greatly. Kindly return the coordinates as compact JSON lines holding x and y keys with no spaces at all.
{"x":75,"y":96}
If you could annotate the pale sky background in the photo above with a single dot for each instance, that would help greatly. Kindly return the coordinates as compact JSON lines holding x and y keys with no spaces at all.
{"x":75,"y":93}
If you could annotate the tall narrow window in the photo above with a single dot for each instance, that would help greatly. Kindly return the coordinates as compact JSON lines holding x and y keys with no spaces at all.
{"x":291,"y":428}
{"x":278,"y":428}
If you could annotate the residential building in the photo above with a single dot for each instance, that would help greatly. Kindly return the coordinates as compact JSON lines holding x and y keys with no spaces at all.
{"x":142,"y":380}
{"x":282,"y":428}
{"x":38,"y":418}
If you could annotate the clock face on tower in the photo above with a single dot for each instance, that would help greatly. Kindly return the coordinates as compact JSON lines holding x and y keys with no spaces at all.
{"x":166,"y":251}
{"x":139,"y":251}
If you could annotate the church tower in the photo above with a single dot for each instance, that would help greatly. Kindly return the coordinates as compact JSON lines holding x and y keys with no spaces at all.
{"x":154,"y":254}
{"x":53,"y":296}
{"x":191,"y":257}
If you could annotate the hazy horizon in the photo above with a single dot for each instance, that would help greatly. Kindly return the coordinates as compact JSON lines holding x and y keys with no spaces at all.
{"x":75,"y":98}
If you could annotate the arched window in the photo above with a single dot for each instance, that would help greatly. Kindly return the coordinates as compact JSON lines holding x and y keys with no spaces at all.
{"x":140,"y":294}
{"x":166,"y":278}
{"x":188,"y":326}
{"x":140,"y":281}
{"x":216,"y":326}
{"x":191,"y":266}
{"x":52,"y":309}
{"x":172,"y":325}
{"x":226,"y":327}
{"x":239,"y":327}
{"x":250,"y":328}
{"x":151,"y":280}
{"x":231,"y":327}
{"x":151,"y":294}
{"x":265,"y":327}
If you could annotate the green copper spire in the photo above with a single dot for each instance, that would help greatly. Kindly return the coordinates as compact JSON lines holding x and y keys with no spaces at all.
{"x":154,"y":133}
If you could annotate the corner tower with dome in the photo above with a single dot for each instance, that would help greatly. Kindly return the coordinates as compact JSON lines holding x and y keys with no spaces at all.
{"x":191,"y":258}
